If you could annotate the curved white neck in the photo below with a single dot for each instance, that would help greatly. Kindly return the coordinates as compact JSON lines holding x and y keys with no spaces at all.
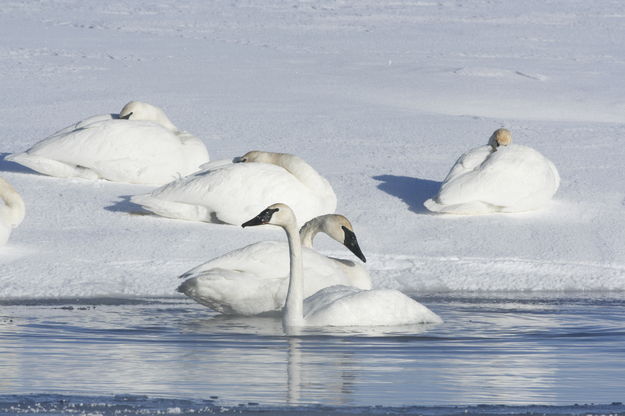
{"x":12,"y":213}
{"x":305,"y":173}
{"x":309,"y":230}
{"x":293,"y":312}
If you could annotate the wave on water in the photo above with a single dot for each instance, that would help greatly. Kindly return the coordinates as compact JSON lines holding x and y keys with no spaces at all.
{"x":51,"y":404}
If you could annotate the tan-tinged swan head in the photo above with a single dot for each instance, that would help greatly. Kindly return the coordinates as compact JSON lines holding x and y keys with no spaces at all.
{"x":500,"y":137}
{"x":337,"y":227}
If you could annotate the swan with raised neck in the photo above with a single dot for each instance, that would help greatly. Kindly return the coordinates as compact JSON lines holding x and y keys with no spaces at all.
{"x":337,"y":305}
{"x":281,"y":215}
{"x":253,"y":280}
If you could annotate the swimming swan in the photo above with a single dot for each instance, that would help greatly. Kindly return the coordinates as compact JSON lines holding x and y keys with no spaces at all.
{"x":140,"y":145}
{"x":498,"y":177}
{"x":337,"y":305}
{"x":233,"y":192}
{"x":253,"y":280}
{"x":11,"y":210}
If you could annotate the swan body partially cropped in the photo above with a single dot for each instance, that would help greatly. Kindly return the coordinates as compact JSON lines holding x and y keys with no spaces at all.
{"x":233,"y":192}
{"x":498,"y":177}
{"x":337,"y":305}
{"x":138,"y":145}
{"x":254,"y":279}
{"x":11,"y":210}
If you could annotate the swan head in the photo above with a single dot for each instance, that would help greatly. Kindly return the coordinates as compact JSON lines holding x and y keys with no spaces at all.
{"x":276,"y":214}
{"x":137,"y":110}
{"x":256,"y":156}
{"x":340,"y":229}
{"x":500,"y":137}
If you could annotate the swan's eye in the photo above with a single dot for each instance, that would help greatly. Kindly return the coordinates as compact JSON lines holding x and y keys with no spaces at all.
{"x":126,"y":117}
{"x":267,"y":214}
{"x":262,"y":218}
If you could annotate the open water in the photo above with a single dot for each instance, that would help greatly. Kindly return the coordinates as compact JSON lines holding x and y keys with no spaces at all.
{"x":495,"y":354}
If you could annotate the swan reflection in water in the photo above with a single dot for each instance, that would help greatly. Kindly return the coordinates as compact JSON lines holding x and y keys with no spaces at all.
{"x":309,"y":365}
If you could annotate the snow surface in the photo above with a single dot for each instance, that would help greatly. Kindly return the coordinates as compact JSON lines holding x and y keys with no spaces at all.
{"x":380,"y":97}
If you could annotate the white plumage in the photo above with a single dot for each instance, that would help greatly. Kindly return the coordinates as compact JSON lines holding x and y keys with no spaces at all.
{"x":337,"y":305}
{"x":11,"y":210}
{"x":254,"y":279}
{"x":234,"y":192}
{"x":499,"y":177}
{"x":140,"y":145}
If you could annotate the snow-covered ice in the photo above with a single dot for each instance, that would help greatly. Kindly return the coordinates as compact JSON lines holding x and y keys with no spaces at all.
{"x":380,"y":98}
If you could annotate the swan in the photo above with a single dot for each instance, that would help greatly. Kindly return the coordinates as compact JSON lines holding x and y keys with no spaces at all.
{"x":253,"y":280}
{"x":232,"y":192}
{"x":11,"y":211}
{"x":498,"y":177}
{"x":138,"y":145}
{"x":336,"y":305}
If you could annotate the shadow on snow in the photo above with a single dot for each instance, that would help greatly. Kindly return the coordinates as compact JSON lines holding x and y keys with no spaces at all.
{"x":413,"y":191}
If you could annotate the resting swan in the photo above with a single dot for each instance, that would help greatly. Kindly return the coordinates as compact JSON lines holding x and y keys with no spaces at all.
{"x":253,"y":280}
{"x":233,"y":192}
{"x":498,"y":177}
{"x":337,"y":305}
{"x":11,"y":211}
{"x":140,"y":145}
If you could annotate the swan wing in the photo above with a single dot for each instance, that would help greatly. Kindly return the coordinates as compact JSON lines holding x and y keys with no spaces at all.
{"x":235,"y":292}
{"x":468,"y":162}
{"x":265,"y":259}
{"x":234,"y":193}
{"x":345,"y":306}
{"x":260,"y":271}
{"x":83,"y":123}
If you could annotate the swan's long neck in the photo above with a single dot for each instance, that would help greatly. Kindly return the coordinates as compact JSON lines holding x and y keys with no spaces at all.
{"x":309,"y":230}
{"x":293,"y":314}
{"x":12,"y":213}
{"x":304,"y":173}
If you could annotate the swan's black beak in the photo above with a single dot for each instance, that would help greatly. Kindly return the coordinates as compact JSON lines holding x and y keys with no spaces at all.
{"x":126,"y":117}
{"x":352,"y":244}
{"x":262,"y":218}
{"x":239,"y":159}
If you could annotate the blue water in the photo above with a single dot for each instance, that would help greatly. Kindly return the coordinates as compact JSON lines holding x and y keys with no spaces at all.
{"x":495,"y":354}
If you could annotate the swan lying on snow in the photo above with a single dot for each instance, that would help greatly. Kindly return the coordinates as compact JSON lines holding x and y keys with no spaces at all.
{"x":498,"y":177}
{"x":337,"y":305}
{"x":233,"y":192}
{"x":254,"y":279}
{"x":140,"y":145}
{"x":11,"y":211}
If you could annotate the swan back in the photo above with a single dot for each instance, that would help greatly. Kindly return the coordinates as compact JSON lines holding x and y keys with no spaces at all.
{"x":348,"y":306}
{"x":295,"y":165}
{"x":137,"y":110}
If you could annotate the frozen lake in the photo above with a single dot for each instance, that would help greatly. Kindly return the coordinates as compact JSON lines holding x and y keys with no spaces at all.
{"x":170,"y":353}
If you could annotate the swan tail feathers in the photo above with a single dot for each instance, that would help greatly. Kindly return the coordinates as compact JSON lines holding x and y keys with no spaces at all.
{"x":52,"y":167}
{"x":172,"y":209}
{"x":466,"y":208}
